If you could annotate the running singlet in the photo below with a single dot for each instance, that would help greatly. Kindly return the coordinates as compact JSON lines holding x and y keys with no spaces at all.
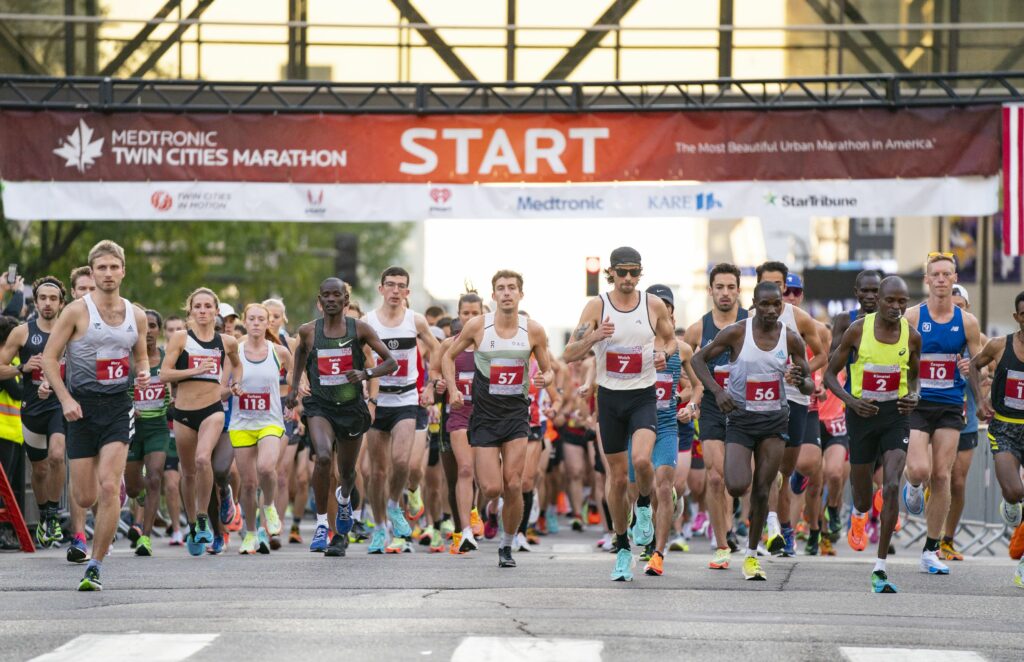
{"x":625,"y":361}
{"x":259,"y":406}
{"x":940,"y":346}
{"x":533,"y":394}
{"x":665,"y":390}
{"x":99,"y":363}
{"x":756,"y":377}
{"x":330,"y":359}
{"x":793,"y":394}
{"x":880,"y":372}
{"x":464,"y":375}
{"x":500,"y":380}
{"x":1008,"y":384}
{"x":719,"y":366}
{"x":35,"y":341}
{"x":399,"y":388}
{"x":152,"y":401}
{"x":195,"y":351}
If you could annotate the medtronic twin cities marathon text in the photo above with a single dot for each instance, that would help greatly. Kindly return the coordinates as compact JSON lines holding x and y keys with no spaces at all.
{"x":820,"y":145}
{"x":199,"y":148}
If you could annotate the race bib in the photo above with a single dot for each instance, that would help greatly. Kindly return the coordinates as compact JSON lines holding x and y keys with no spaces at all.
{"x":1013,"y":393}
{"x":399,"y":377}
{"x":507,"y":376}
{"x":880,"y":383}
{"x":836,"y":426}
{"x":253,"y":403}
{"x":332,"y":364}
{"x":112,"y":366}
{"x":464,"y":382}
{"x":938,"y":370}
{"x":663,"y":389}
{"x":151,"y":397}
{"x":196,"y":357}
{"x":38,"y":377}
{"x":722,"y":376}
{"x":763,"y":393}
{"x":623,"y":362}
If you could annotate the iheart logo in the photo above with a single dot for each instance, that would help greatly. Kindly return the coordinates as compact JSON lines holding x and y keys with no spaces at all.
{"x":440,"y":195}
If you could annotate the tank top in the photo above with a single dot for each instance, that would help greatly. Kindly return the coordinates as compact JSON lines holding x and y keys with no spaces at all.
{"x":756,"y":376}
{"x":99,"y":363}
{"x":330,"y":359}
{"x":665,"y":389}
{"x":399,"y":388}
{"x":196,"y":350}
{"x":625,"y":361}
{"x":152,"y":401}
{"x":940,"y":344}
{"x":793,"y":394}
{"x":853,"y":355}
{"x":259,"y":406}
{"x":719,"y":366}
{"x":35,"y":341}
{"x":464,"y":365}
{"x":880,"y":372}
{"x":534,"y":394}
{"x":501,"y":365}
{"x":1008,"y":385}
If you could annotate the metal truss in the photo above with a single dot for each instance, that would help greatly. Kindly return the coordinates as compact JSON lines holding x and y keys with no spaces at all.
{"x":183,"y":96}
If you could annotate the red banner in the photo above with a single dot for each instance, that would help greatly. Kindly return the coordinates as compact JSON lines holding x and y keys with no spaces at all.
{"x":543,"y":148}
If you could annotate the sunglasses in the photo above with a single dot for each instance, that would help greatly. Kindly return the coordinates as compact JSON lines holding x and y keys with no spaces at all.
{"x":794,"y":291}
{"x":935,"y":256}
{"x":622,"y":273}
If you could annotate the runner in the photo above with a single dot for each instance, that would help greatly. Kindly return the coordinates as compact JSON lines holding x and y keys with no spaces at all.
{"x":194,"y":360}
{"x":257,"y":425}
{"x":42,"y":420}
{"x":499,"y":426}
{"x":1006,"y":405}
{"x":947,"y":333}
{"x":724,"y":290}
{"x":172,"y":477}
{"x":883,"y":392}
{"x":99,"y":333}
{"x":758,"y":415}
{"x":149,"y":446}
{"x":631,"y":335}
{"x":392,"y":432}
{"x":333,"y":352}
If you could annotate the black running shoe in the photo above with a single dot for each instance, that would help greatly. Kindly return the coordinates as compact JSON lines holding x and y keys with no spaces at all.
{"x":91,"y":581}
{"x":338,"y":546}
{"x":505,"y":559}
{"x":733,"y":541}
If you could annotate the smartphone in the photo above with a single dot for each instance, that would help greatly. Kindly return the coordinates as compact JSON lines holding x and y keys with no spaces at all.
{"x":12,"y":273}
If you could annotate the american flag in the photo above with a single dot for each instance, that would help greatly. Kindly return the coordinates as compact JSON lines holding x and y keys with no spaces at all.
{"x":1013,"y":179}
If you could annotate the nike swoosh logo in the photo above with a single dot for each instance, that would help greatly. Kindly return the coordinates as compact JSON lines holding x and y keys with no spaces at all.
{"x":342,"y":344}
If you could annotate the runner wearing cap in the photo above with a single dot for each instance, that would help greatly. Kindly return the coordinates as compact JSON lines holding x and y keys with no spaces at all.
{"x":631,"y":335}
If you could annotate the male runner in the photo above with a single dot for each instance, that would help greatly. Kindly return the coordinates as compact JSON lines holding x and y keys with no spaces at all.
{"x":724,"y":290}
{"x":631,"y":335}
{"x":1006,"y":405}
{"x":42,"y":421}
{"x":99,"y":333}
{"x":947,"y":333}
{"x":757,"y":411}
{"x":883,"y":392}
{"x":499,"y":426}
{"x":391,"y":437}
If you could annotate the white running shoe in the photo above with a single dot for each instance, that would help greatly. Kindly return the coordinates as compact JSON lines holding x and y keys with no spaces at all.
{"x":1011,"y":513}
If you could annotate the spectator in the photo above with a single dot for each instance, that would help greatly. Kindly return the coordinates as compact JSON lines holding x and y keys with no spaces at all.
{"x":11,"y":437}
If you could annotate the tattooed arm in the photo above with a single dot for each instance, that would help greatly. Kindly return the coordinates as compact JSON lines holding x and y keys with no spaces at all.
{"x":589,"y":332}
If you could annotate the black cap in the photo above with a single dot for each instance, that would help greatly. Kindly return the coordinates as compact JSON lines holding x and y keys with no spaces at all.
{"x":664,"y":293}
{"x":625,"y":255}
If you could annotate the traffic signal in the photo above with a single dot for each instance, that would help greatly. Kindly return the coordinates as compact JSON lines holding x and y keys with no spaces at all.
{"x":346,"y":259}
{"x":593,"y":276}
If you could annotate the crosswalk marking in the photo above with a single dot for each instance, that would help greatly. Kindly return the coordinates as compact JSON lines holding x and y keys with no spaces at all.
{"x":151,"y":647}
{"x":908,"y":655}
{"x":572,"y":548}
{"x":527,"y":649}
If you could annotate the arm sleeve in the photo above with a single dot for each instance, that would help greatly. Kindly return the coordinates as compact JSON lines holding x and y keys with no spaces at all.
{"x":14,"y":387}
{"x":15,"y":305}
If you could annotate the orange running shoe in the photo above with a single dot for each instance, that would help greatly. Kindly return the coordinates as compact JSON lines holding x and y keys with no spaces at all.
{"x":899,"y":524}
{"x":542,"y":524}
{"x":655,"y":566}
{"x":826,"y":548}
{"x":949,"y":552}
{"x":720,"y":561}
{"x":593,"y":517}
{"x":1017,"y":543}
{"x":236,"y":523}
{"x":532,"y":536}
{"x":476,"y":523}
{"x":878,"y":501}
{"x":563,"y":504}
{"x":453,"y":549}
{"x":857,"y":536}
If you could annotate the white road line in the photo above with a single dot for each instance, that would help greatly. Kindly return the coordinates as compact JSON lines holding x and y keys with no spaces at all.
{"x":145,"y":646}
{"x":908,"y":655}
{"x":527,"y":649}
{"x":572,"y":548}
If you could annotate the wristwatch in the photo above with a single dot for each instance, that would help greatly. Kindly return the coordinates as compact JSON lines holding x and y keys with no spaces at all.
{"x":373,"y":400}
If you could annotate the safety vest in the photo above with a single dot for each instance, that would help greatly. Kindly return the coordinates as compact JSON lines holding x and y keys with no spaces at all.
{"x":10,"y":415}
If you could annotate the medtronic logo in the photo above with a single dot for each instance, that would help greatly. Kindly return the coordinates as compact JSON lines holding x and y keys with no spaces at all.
{"x":691,"y":202}
{"x":553,"y":203}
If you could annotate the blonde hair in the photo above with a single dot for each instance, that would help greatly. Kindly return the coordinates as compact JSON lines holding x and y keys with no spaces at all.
{"x":196,"y":292}
{"x":106,"y":247}
{"x":507,"y":273}
{"x":266,"y":332}
{"x":279,"y":304}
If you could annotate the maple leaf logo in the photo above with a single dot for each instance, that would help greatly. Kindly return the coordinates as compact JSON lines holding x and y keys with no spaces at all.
{"x":79,"y":149}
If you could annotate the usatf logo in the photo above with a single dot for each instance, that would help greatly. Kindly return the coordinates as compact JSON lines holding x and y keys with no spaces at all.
{"x":79,"y":150}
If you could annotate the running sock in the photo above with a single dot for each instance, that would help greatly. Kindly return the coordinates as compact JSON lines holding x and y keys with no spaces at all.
{"x":297,"y":520}
{"x":54,"y":507}
{"x":773,"y":520}
{"x":750,"y":552}
{"x":643,"y":501}
{"x":833,"y":513}
{"x":947,"y":539}
{"x":931,"y":544}
{"x":321,"y":519}
{"x":468,"y":533}
{"x":813,"y":535}
{"x":879,"y":565}
{"x":93,"y":563}
{"x":785,"y":525}
{"x":392,"y":503}
{"x":507,"y":539}
{"x":857,"y":513}
{"x":621,"y":541}
{"x":607,"y":511}
{"x":527,"y":507}
{"x":355,"y":496}
{"x":344,"y":500}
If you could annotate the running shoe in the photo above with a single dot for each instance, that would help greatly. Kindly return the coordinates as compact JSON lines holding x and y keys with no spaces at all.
{"x":1018,"y":575}
{"x":880,"y":583}
{"x":77,"y":551}
{"x":218,"y":546}
{"x":447,"y":528}
{"x":476,"y":523}
{"x":741,"y":529}
{"x":319,"y":543}
{"x":91,"y":581}
{"x":679,"y":544}
{"x":295,"y":536}
{"x":195,"y":547}
{"x":236,"y":524}
{"x":931,"y":564}
{"x":424,"y":536}
{"x":812,"y":546}
{"x":469,"y":543}
{"x":776,"y":543}
{"x":624,"y":563}
{"x":53,"y":529}
{"x":801,"y":530}
{"x":227,"y":506}
{"x":399,"y":525}
{"x":455,"y":548}
{"x":552,"y":520}
{"x":873,"y":528}
{"x":249,"y":543}
{"x":655,"y":565}
{"x":134,"y":533}
{"x":273,"y":521}
{"x":835,"y":527}
{"x":732,"y":541}
{"x":123,"y":496}
{"x":913,"y":499}
{"x":593,"y":516}
{"x":520,"y":544}
{"x":343,"y":520}
{"x":542,"y":524}
{"x":1017,"y":543}
{"x":437,"y":542}
{"x":798,"y":482}
{"x":720,"y":561}
{"x":648,"y":551}
{"x":857,"y":536}
{"x":378,"y":541}
{"x":41,"y":537}
{"x":491,"y":526}
{"x":532,"y":536}
{"x":877,"y":501}
{"x":577,"y":524}
{"x":701,"y":522}
{"x":752,"y":570}
{"x":643,"y":530}
{"x":176,"y":539}
{"x":338,"y":546}
{"x":826,"y":547}
{"x":414,"y":504}
{"x":144,"y":547}
{"x":396,"y":546}
{"x":505,"y":559}
{"x":275,"y":543}
{"x":264,"y":541}
{"x":949,"y":552}
{"x":1011,"y":513}
{"x":789,"y":549}
{"x":203,"y":533}
{"x":359,"y":532}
